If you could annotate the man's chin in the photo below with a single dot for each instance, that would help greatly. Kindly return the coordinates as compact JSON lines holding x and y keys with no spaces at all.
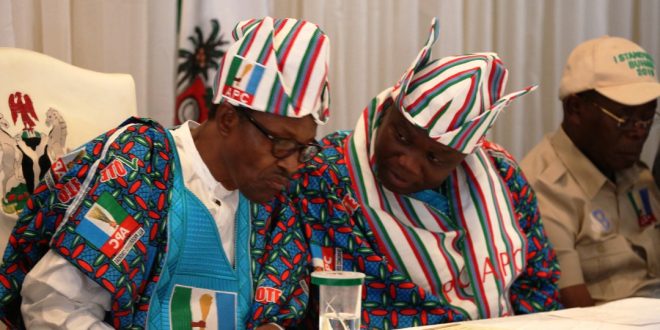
{"x":388,"y":179}
{"x":623,"y":164}
{"x":259,"y":197}
{"x":395,"y":188}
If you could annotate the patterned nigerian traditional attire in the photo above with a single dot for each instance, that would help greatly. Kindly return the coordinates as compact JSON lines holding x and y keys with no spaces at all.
{"x":472,"y":248}
{"x":120,"y":212}
{"x":134,"y":172}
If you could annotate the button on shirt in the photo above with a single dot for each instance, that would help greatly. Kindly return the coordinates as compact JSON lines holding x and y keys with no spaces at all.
{"x":56,"y":295}
{"x":606,"y":235}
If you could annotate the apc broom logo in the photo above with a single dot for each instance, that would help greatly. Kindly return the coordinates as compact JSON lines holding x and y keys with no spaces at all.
{"x":243,"y":80}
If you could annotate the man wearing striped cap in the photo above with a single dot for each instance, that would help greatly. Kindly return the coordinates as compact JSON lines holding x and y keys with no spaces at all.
{"x":442,"y":222}
{"x":147,"y":227}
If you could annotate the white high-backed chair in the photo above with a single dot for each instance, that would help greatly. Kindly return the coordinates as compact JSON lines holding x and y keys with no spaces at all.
{"x":48,"y":107}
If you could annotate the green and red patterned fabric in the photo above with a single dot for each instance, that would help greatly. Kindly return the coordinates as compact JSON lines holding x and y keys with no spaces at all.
{"x":342,"y":237}
{"x":128,"y":173}
{"x":440,"y":254}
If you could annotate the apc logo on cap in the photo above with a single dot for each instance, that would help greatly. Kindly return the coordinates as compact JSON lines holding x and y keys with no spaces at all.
{"x":243,"y":80}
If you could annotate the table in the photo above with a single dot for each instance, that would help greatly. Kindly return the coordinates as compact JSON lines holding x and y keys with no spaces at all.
{"x":631,"y":313}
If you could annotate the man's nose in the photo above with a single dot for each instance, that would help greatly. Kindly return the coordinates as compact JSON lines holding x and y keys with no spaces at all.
{"x":290,"y":163}
{"x":409,"y":164}
{"x":638,"y":132}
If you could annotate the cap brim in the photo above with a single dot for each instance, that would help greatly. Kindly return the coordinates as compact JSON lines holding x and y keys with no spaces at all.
{"x":632,"y":94}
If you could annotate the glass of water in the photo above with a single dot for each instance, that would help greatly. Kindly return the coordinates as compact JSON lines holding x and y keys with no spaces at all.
{"x":340,"y":297}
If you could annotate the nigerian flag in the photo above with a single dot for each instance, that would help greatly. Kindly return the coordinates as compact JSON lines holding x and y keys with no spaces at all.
{"x":195,"y":308}
{"x":204,"y":33}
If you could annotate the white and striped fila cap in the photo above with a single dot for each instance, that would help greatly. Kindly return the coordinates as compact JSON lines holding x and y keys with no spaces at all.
{"x":278,"y":66}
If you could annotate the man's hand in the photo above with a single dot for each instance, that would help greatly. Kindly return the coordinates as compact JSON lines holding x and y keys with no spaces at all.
{"x":576,"y":296}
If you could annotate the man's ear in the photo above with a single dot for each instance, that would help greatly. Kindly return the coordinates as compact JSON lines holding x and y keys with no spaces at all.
{"x":573,"y":110}
{"x":226,"y":119}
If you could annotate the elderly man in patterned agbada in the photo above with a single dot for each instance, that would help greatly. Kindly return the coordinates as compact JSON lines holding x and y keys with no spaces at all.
{"x":160,"y":233}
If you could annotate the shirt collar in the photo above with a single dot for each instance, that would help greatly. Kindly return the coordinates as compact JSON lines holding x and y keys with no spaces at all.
{"x":190,"y":151}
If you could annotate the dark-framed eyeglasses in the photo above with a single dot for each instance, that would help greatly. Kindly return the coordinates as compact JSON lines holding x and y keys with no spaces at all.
{"x":282,"y":147}
{"x":626,"y":123}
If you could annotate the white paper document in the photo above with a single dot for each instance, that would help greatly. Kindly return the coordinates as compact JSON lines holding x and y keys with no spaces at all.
{"x":631,"y":311}
{"x":626,"y":314}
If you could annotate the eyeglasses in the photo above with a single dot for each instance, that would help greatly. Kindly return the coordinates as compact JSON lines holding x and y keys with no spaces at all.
{"x":283,"y":148}
{"x":626,"y":123}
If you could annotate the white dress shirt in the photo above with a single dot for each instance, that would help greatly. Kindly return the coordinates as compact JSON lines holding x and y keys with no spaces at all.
{"x":56,"y":295}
